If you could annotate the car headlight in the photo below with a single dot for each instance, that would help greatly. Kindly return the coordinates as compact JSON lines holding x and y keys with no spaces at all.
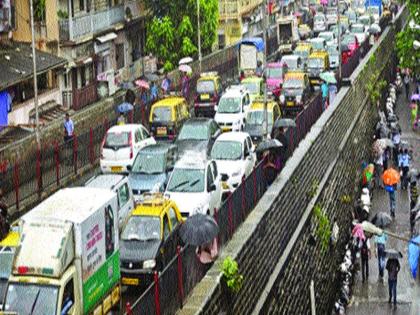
{"x":149,"y":264}
{"x":282,"y":98}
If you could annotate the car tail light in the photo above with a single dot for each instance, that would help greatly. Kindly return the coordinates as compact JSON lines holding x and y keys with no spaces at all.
{"x":22,"y":270}
{"x":130,"y":143}
{"x":102,"y":147}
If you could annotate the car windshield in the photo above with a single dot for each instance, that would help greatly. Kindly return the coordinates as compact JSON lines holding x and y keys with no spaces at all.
{"x":315,"y":63}
{"x":226,"y":150}
{"x":303,"y":53}
{"x":141,"y":228}
{"x":252,"y":87}
{"x":186,"y":180}
{"x":357,"y":29}
{"x":275,"y":73}
{"x":229,"y":105}
{"x":293,"y":84}
{"x":28,"y":298}
{"x":326,"y":36}
{"x":291,"y":63}
{"x":117,"y":139}
{"x":319,"y":18}
{"x":347,"y":40}
{"x":205,"y":86}
{"x":332,"y":51}
{"x":149,"y":163}
{"x":365,"y":20}
{"x":162,"y":114}
{"x":317,"y":45}
{"x":257,"y":117}
{"x":194,"y":132}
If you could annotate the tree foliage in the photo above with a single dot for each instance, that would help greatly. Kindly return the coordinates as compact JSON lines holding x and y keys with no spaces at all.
{"x":173,"y":32}
{"x":410,"y":57}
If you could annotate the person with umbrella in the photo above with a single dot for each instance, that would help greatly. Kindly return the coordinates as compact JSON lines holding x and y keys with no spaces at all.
{"x":365,"y":256}
{"x":278,"y":133}
{"x":393,"y":267}
{"x":391,"y":178}
{"x":380,"y":241}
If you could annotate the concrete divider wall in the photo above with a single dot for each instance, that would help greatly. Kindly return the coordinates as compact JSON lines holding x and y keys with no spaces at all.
{"x":261,"y":246}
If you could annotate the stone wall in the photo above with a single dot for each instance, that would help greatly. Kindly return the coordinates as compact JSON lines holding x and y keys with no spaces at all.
{"x":272,"y":246}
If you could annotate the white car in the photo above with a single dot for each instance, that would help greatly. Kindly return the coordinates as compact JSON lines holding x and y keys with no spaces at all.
{"x":235,"y":157}
{"x":121,"y":145}
{"x":195,"y":186}
{"x":232,"y":109}
{"x":360,"y":31}
{"x":329,"y":37}
{"x":320,"y":23}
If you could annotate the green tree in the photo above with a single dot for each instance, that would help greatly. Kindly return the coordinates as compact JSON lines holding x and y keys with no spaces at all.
{"x":173,"y":34}
{"x":408,"y":56}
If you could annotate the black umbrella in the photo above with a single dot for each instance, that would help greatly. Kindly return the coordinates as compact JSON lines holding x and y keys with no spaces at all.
{"x":198,"y":230}
{"x":382,"y":219}
{"x":151,"y":77}
{"x":393,"y":254}
{"x":268,"y":145}
{"x":284,"y":122}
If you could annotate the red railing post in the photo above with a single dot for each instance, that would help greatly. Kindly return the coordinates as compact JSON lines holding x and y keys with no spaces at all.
{"x":91,"y":150}
{"x":16,"y":182}
{"x":230,"y":215}
{"x":75,"y":146}
{"x":38,"y":171}
{"x":216,"y":218}
{"x":106,"y":126}
{"x":57,"y":162}
{"x":180,"y":276}
{"x":243,"y":200}
{"x":130,"y":116}
{"x":157,"y":300}
{"x":254,"y":179}
{"x":143,"y":113}
{"x":128,"y":309}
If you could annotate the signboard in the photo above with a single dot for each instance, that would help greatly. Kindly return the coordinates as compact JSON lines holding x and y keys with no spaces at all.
{"x":248,"y":57}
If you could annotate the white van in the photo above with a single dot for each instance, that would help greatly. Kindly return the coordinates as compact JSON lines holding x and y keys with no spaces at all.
{"x":120,"y":185}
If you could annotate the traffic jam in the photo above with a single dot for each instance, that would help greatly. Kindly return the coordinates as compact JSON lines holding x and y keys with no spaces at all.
{"x":180,"y":167}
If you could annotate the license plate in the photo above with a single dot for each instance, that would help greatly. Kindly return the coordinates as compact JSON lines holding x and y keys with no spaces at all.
{"x":205,"y":96}
{"x":226,"y":128}
{"x":130,"y":281}
{"x":225,"y":185}
{"x":290,"y":103}
{"x":116,"y":169}
{"x":314,"y":81}
{"x":161,"y":131}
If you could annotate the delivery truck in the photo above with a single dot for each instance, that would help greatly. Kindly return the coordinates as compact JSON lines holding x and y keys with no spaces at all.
{"x":68,"y":258}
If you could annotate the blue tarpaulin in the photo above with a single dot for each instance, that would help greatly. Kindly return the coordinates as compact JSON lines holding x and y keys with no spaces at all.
{"x":413,"y":255}
{"x":5,"y":108}
{"x":256,"y":41}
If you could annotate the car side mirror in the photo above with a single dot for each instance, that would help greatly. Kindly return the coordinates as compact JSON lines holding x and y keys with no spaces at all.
{"x":212,"y":187}
{"x":129,"y":168}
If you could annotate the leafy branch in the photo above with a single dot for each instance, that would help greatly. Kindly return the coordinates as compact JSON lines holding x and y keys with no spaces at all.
{"x":323,"y":231}
{"x":230,"y":271}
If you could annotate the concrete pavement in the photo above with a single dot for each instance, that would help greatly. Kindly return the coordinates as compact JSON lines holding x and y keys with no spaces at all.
{"x":371,"y":297}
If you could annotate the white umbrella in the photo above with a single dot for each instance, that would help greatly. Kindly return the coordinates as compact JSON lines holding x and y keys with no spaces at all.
{"x":185,"y":68}
{"x":373,"y":229}
{"x":185,"y":60}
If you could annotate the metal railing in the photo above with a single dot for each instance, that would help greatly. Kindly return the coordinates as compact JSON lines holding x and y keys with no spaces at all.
{"x":84,"y":96}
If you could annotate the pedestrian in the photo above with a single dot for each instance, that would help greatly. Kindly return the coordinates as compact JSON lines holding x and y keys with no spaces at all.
{"x":154,"y":93}
{"x":404,"y":166}
{"x":324,"y":90}
{"x":166,"y":84}
{"x":332,"y":92}
{"x":379,"y":169}
{"x":364,"y":256}
{"x":413,"y":112}
{"x":380,"y":241}
{"x":121,"y":119}
{"x":396,"y":140}
{"x":282,"y":152}
{"x":270,"y":170}
{"x":393,"y":267}
{"x":413,"y":202}
{"x":185,"y":85}
{"x":68,"y":128}
{"x":241,"y":76}
{"x":407,"y":84}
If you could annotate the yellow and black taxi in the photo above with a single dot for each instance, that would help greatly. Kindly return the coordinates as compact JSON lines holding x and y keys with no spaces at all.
{"x":149,"y":239}
{"x":318,"y":62}
{"x":255,"y":118}
{"x":296,"y":91}
{"x":167,"y":116}
{"x":208,"y":92}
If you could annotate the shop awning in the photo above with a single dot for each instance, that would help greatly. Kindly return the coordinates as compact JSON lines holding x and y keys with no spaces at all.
{"x":106,"y":38}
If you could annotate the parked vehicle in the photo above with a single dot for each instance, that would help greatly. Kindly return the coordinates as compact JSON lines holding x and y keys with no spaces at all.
{"x":254,"y":86}
{"x":195,"y":185}
{"x":292,"y":62}
{"x":287,"y":34}
{"x":303,"y":50}
{"x":235,"y":157}
{"x":352,"y":44}
{"x":151,"y":169}
{"x":7,"y":253}
{"x":333,"y":56}
{"x":149,"y":240}
{"x":121,"y":186}
{"x":69,"y":252}
{"x":317,"y":43}
{"x":318,"y":62}
{"x":274,"y":77}
{"x":296,"y":91}
{"x":232,"y":109}
{"x":121,"y":145}
{"x":255,"y":119}
{"x":167,"y":116}
{"x":251,"y":50}
{"x":328,"y":36}
{"x":208,"y":92}
{"x":197,"y":135}
{"x":320,"y":23}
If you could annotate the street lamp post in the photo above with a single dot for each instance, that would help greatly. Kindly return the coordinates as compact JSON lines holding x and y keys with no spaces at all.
{"x":199,"y":35}
{"x":339,"y":42}
{"x":37,"y":136}
{"x":265,"y":26}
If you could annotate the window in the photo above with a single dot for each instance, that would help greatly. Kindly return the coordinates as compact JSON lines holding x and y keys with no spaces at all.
{"x":209,"y":178}
{"x":214,"y":169}
{"x":119,"y":55}
{"x":246,"y":150}
{"x":145,"y":133}
{"x":219,"y":87}
{"x":68,"y":298}
{"x":103,"y":62}
{"x":249,"y":142}
{"x":138,"y":136}
{"x":173,"y":218}
{"x":213,"y":128}
{"x":166,"y":231}
{"x":123,"y":195}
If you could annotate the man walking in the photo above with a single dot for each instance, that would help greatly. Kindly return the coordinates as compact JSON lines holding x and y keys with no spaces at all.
{"x":68,"y":128}
{"x":365,"y":255}
{"x":407,"y":85}
{"x":404,"y":165}
{"x":325,"y":92}
{"x":393,"y":267}
{"x":380,"y":241}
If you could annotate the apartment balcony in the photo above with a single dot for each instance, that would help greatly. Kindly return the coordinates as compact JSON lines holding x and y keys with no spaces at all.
{"x":75,"y":28}
{"x":236,"y":9}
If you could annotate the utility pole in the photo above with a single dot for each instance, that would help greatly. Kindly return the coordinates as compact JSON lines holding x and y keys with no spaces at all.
{"x":199,"y":35}
{"x":37,"y":136}
{"x":265,"y":26}
{"x":339,"y":42}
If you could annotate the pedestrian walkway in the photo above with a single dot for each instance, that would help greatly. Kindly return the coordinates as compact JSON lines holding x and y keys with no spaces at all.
{"x":371,"y":297}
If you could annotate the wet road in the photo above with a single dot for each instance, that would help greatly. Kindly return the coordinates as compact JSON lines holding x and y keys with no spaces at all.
{"x":371,"y":297}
